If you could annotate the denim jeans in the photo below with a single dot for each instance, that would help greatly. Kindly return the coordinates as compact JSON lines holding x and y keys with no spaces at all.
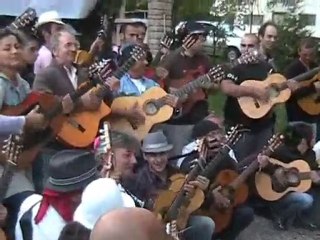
{"x":241,"y":219}
{"x":292,"y":206}
{"x":199,"y":227}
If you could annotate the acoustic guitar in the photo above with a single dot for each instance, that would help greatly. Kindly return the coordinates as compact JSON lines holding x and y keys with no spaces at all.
{"x":25,"y":21}
{"x":80,"y":128}
{"x":311,"y":103}
{"x":12,"y":150}
{"x":232,"y":186}
{"x":152,"y":105}
{"x":296,"y":175}
{"x":279,"y":92}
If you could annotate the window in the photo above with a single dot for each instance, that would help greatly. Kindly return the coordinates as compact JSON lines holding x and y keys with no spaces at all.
{"x":308,"y":19}
{"x":278,"y":17}
{"x":287,"y":3}
{"x":256,"y":20}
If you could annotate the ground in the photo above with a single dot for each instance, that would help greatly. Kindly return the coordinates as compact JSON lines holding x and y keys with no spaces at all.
{"x":262,"y":229}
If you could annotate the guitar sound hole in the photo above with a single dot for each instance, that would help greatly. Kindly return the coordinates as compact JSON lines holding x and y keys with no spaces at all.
{"x":150,"y":108}
{"x":291,"y":177}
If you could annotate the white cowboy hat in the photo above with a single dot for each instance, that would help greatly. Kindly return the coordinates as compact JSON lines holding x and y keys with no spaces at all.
{"x":49,"y":17}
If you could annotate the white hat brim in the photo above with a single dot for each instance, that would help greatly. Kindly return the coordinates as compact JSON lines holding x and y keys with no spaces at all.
{"x":49,"y":21}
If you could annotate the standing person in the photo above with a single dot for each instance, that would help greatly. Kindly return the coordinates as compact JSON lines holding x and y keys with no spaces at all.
{"x":304,"y":62}
{"x":189,"y":65}
{"x":43,"y":217}
{"x":268,"y":36}
{"x":48,"y":24}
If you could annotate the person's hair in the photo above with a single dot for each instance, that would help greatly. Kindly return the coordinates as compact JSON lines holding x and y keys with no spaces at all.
{"x":55,"y":39}
{"x":26,"y":37}
{"x":124,"y":26}
{"x":252,"y":35}
{"x":46,"y":27}
{"x":296,"y":132}
{"x":307,"y":43}
{"x":5,"y":32}
{"x":74,"y":231}
{"x":262,"y":29}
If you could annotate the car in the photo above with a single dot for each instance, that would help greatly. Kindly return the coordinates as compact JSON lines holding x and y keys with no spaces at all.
{"x":221,"y":39}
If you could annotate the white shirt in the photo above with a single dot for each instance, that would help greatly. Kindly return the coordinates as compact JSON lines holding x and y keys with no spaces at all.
{"x":72,"y":75}
{"x":138,"y":83}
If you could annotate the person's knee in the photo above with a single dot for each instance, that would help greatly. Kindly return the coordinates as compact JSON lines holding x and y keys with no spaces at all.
{"x":303,"y":200}
{"x":245,"y":215}
{"x":203,"y":224}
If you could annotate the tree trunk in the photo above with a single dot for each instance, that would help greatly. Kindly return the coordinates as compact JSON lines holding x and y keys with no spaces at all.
{"x":159,"y":21}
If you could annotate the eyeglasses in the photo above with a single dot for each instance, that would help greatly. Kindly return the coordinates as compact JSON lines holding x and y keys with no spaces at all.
{"x":247,"y":45}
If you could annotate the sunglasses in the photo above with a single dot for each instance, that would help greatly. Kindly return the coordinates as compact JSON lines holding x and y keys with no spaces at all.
{"x":247,"y":45}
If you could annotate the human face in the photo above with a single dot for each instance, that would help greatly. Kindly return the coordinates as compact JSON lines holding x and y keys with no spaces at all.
{"x":157,"y":161}
{"x":307,"y":55}
{"x":30,"y":52}
{"x":142,"y":34}
{"x":10,"y":52}
{"x":67,"y":48}
{"x":131,"y":35}
{"x":124,"y":161}
{"x":248,"y":43}
{"x":270,"y":37}
{"x":139,"y":68}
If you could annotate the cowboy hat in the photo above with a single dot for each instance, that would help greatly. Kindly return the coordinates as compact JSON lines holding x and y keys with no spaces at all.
{"x":49,"y":17}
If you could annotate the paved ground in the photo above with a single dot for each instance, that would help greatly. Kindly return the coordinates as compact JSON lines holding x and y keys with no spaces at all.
{"x":262,"y":229}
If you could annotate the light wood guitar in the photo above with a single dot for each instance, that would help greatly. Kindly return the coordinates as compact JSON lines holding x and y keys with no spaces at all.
{"x":279,"y":92}
{"x":152,"y":105}
{"x":311,"y":103}
{"x":233,"y":186}
{"x":296,"y":175}
{"x":82,"y":127}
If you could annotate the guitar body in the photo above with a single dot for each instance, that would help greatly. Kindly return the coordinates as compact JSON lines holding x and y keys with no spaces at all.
{"x":310,"y":104}
{"x":264,"y":183}
{"x":223,"y":217}
{"x":2,"y":235}
{"x":152,"y":113}
{"x":23,"y":108}
{"x":197,"y":94}
{"x":256,"y":109}
{"x":165,"y":199}
{"x":83,"y":58}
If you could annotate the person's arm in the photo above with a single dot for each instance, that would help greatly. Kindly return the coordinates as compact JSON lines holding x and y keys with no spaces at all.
{"x":43,"y":82}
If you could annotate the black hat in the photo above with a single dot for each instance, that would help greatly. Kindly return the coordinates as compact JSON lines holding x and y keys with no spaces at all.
{"x":202,"y":128}
{"x":71,"y":170}
{"x":191,"y":27}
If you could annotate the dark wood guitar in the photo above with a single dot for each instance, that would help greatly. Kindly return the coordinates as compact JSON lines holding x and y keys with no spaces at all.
{"x":310,"y":103}
{"x":232,"y":186}
{"x":25,"y":21}
{"x":297,"y":175}
{"x":277,"y":85}
{"x":80,"y":128}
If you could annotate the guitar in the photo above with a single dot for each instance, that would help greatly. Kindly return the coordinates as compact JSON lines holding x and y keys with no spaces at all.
{"x":151,"y":103}
{"x":165,"y":42}
{"x":80,"y":128}
{"x":12,"y":149}
{"x":174,"y":199}
{"x":279,"y":92}
{"x":25,"y":21}
{"x":297,"y":175}
{"x":232,"y":186}
{"x":311,"y":103}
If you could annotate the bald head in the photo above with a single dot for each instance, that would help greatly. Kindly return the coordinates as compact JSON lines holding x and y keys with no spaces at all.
{"x":129,"y":223}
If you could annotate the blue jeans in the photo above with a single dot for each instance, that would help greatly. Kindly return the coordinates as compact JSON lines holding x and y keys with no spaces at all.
{"x":199,"y":227}
{"x":293,"y":205}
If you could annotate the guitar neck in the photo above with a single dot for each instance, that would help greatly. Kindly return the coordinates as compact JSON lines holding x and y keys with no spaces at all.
{"x":305,"y":175}
{"x":212,"y":165}
{"x":307,"y":75}
{"x":180,"y":199}
{"x":245,"y":174}
{"x":6,"y":179}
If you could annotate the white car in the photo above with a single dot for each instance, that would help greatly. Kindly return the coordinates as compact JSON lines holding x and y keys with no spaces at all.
{"x":230,"y":45}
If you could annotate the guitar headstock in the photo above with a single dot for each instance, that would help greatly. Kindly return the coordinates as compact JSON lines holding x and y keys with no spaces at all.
{"x":215,"y":75}
{"x":202,"y":148}
{"x":273,"y":143}
{"x":167,"y":40}
{"x":104,"y":66}
{"x":105,"y":141}
{"x":233,"y":135}
{"x":12,"y":148}
{"x":25,"y":20}
{"x":248,"y":57}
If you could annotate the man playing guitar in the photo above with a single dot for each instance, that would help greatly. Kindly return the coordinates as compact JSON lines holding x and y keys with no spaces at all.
{"x":189,"y":64}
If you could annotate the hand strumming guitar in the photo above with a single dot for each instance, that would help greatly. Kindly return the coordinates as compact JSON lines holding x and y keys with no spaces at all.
{"x":35,"y":120}
{"x":263,"y":160}
{"x":292,"y":85}
{"x":3,"y":215}
{"x":90,"y":101}
{"x":220,"y":200}
{"x":67,"y":104}
{"x":262,"y":94}
{"x":135,"y":116}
